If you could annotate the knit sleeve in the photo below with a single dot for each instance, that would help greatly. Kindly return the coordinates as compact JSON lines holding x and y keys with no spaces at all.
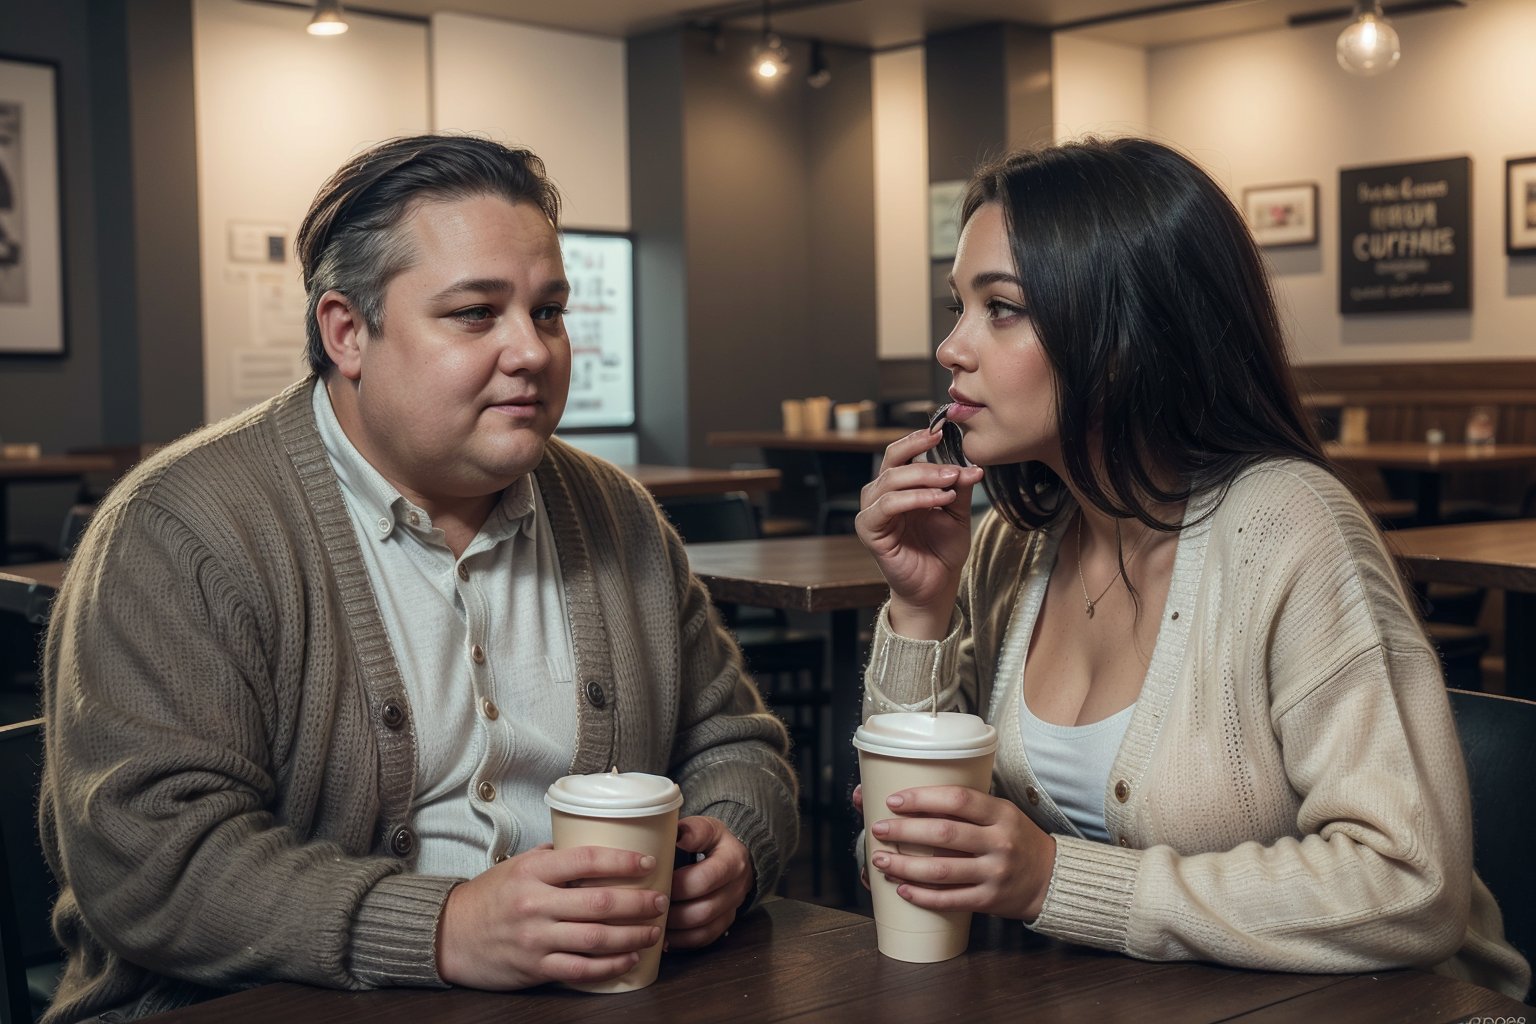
{"x":163,"y":776}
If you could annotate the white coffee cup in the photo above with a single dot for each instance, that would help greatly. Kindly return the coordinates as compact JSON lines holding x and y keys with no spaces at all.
{"x":903,"y":750}
{"x":624,"y":811}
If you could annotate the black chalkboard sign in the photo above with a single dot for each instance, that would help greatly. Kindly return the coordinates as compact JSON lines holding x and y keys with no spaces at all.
{"x":1405,"y":236}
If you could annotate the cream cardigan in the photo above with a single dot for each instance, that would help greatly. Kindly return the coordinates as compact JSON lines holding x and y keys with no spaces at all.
{"x":1290,"y":793}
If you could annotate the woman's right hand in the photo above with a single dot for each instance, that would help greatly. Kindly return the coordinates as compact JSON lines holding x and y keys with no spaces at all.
{"x":915,"y":518}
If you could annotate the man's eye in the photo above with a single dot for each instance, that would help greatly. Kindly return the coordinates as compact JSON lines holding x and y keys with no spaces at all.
{"x":473,"y":314}
{"x":550,"y":312}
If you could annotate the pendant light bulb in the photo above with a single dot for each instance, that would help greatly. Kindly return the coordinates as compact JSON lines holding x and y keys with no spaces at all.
{"x":1369,"y":45}
{"x":328,"y":20}
{"x":771,"y":58}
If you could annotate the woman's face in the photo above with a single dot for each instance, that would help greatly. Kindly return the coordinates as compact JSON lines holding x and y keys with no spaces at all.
{"x":1004,"y":394}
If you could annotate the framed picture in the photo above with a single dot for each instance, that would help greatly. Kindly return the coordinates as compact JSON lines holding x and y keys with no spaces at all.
{"x":1282,"y":214}
{"x":31,"y":237}
{"x":1520,"y":205}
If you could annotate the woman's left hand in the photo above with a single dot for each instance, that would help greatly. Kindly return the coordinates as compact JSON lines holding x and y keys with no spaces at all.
{"x":1006,"y":863}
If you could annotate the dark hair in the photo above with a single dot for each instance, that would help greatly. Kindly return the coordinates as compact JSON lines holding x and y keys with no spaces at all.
{"x":1154,"y":310}
{"x":350,"y":241}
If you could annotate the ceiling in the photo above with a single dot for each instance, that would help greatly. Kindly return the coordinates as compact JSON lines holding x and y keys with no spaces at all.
{"x":887,"y":24}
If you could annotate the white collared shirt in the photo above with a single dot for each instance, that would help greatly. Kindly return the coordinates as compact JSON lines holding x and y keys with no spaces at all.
{"x":483,"y":644}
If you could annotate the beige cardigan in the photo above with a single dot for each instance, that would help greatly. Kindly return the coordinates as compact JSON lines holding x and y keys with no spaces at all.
{"x":230,"y":756}
{"x":1290,"y":793}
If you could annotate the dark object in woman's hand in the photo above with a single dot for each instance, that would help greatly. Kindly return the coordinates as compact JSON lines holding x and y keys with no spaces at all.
{"x":949,"y":450}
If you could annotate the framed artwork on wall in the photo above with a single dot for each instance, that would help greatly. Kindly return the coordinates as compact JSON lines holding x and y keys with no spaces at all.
{"x":1282,"y":214}
{"x":1520,"y":205}
{"x":31,"y":235}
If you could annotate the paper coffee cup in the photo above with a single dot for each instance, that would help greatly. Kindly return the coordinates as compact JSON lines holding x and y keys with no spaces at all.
{"x":624,"y":811}
{"x":899,"y":751}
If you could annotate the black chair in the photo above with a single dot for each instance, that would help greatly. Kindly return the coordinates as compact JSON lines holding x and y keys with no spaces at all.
{"x":1498,"y":737}
{"x":24,"y":607}
{"x":32,"y":957}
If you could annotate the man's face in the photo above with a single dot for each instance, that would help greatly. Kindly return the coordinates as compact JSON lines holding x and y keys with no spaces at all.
{"x":468,"y":377}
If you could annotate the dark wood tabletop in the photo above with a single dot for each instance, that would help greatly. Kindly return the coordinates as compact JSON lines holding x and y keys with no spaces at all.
{"x":807,"y":574}
{"x":791,"y":961}
{"x":871,"y":441}
{"x":690,"y":481}
{"x":1500,"y":554}
{"x":1423,"y":457}
{"x":54,"y":467}
{"x":49,"y":574}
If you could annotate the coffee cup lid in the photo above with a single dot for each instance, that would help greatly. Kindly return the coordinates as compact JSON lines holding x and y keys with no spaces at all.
{"x":614,"y":794}
{"x":926,"y":736}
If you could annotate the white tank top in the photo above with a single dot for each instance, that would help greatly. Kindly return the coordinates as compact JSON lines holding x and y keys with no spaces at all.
{"x":1072,"y":764}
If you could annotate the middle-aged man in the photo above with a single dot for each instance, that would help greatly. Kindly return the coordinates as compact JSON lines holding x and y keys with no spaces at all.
{"x":313,"y":667}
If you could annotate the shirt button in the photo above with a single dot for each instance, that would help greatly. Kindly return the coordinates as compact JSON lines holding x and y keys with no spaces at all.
{"x":1032,"y":794}
{"x":403,"y":841}
{"x":489,"y":707}
{"x":463,"y":572}
{"x":477,"y":654}
{"x":1122,"y":791}
{"x":383,"y":525}
{"x":502,"y":856}
{"x":393,"y":714}
{"x":595,"y":693}
{"x":486,"y":791}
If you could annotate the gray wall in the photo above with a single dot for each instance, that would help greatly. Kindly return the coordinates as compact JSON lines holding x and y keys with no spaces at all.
{"x":131,"y":292}
{"x":770,"y":242}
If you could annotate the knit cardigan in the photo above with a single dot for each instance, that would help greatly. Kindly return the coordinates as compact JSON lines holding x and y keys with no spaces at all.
{"x":1290,"y":793}
{"x":230,"y":762}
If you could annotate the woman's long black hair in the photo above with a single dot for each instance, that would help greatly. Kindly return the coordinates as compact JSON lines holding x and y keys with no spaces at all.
{"x":1154,"y":311}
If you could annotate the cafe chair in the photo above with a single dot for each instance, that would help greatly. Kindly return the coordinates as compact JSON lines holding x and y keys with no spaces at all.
{"x":24,"y":608}
{"x":1498,"y":738}
{"x":32,"y":957}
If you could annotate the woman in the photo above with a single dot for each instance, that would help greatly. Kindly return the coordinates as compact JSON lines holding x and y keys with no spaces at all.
{"x":1223,"y":734}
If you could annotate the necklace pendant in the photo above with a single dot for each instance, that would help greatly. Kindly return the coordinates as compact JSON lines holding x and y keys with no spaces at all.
{"x":1088,"y":608}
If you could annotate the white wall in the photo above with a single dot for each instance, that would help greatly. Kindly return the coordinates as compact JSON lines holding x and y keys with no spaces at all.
{"x":1275,"y":107}
{"x":901,"y":205}
{"x":278,"y":111}
{"x":1097,"y":87}
{"x":560,"y":94}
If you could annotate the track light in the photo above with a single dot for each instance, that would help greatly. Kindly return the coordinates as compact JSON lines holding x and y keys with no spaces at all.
{"x":328,"y":20}
{"x":770,"y":58}
{"x":1369,"y":45}
{"x":819,"y":74}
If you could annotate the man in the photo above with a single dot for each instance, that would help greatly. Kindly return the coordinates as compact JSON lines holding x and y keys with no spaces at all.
{"x":313,"y":667}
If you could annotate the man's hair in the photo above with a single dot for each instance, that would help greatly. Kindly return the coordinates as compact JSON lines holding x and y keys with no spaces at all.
{"x":351,"y":239}
{"x":1154,"y":310}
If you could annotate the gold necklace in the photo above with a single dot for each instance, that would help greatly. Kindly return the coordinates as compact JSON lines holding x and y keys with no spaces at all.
{"x":1089,"y":602}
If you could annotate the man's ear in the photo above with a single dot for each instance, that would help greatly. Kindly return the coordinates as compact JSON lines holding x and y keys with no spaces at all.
{"x":342,"y":332}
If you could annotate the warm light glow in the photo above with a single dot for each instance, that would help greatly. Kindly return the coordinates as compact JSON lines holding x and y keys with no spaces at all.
{"x":766,"y":68}
{"x":328,"y":20}
{"x":770,"y":59}
{"x":1369,"y":45}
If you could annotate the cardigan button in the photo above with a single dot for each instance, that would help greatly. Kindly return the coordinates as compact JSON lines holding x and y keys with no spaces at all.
{"x":463,"y":572}
{"x":595,"y":693}
{"x":1122,"y":791}
{"x":1032,"y":794}
{"x":393,"y":714}
{"x":486,"y":791}
{"x":403,"y":841}
{"x":1125,"y":842}
{"x":488,"y":706}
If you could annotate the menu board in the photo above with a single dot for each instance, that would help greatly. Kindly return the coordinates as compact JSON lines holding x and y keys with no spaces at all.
{"x":1405,"y":235}
{"x":601,"y":325}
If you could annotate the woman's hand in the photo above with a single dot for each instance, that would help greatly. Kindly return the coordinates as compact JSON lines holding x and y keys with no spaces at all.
{"x":1006,"y":859}
{"x":915,"y":518}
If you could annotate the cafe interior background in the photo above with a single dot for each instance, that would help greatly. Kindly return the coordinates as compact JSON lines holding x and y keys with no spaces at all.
{"x":787,"y":234}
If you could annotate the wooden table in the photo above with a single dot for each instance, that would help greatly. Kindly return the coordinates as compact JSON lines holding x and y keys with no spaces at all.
{"x":792,"y":961}
{"x":43,"y":469}
{"x":691,"y":481}
{"x":870,"y":441}
{"x":1501,"y":555}
{"x":1430,"y":462}
{"x":833,"y":574}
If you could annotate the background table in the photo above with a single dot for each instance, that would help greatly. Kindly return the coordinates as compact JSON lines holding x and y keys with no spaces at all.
{"x":790,"y":961}
{"x":832,"y":574}
{"x":692,"y":481}
{"x":1430,"y":462}
{"x":44,"y":469}
{"x":1501,"y":555}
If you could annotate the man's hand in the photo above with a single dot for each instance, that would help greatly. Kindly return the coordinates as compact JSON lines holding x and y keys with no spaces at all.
{"x":521,"y":924}
{"x":706,"y":894}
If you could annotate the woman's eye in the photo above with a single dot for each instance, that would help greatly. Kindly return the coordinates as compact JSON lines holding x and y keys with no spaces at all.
{"x":551,"y":312}
{"x":998,"y":310}
{"x":955,"y":308}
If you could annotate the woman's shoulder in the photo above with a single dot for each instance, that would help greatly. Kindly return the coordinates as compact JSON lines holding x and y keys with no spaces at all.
{"x":1292,"y":504}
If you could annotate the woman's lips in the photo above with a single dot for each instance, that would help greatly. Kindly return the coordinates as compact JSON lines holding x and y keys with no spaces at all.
{"x":959,"y":412}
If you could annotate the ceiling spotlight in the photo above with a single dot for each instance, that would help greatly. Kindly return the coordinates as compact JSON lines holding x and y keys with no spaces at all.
{"x":1369,"y":45}
{"x":819,"y":74}
{"x":770,"y":58}
{"x":327,"y":20}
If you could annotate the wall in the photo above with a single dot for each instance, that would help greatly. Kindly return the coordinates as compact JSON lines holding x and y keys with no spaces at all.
{"x":901,"y":205}
{"x":1098,"y":87}
{"x":278,"y":111}
{"x":561,"y":94}
{"x":1276,"y":107}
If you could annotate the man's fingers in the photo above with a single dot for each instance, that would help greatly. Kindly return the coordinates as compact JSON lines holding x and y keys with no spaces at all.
{"x":580,"y":863}
{"x":593,"y":939}
{"x":608,"y":904}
